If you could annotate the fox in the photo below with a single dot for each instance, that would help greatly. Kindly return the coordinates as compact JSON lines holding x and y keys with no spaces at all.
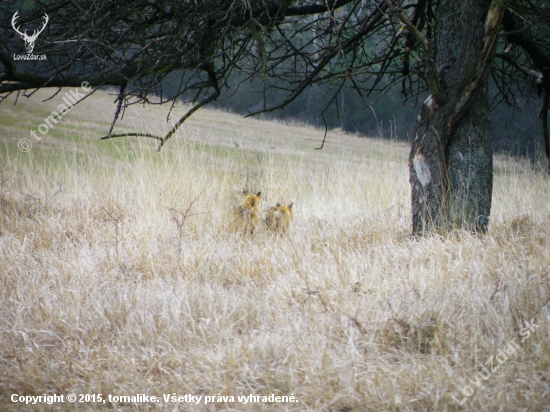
{"x":246,"y":215}
{"x":278,"y":218}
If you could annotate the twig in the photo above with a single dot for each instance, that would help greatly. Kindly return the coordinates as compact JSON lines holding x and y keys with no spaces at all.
{"x":117,"y":222}
{"x":325,"y":136}
{"x":179,"y":217}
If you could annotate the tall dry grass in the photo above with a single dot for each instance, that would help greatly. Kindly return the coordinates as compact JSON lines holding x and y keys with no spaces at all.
{"x":118,"y":274}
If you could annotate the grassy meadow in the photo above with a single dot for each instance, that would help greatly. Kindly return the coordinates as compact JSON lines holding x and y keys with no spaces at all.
{"x":119,"y":274}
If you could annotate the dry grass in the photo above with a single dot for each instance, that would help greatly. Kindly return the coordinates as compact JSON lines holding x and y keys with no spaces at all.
{"x":118,"y":274}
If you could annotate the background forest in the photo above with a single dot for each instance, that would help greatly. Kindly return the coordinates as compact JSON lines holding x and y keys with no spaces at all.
{"x":516,"y":130}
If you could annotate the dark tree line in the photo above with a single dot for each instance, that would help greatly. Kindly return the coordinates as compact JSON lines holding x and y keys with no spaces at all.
{"x":516,"y":129}
{"x":445,"y":49}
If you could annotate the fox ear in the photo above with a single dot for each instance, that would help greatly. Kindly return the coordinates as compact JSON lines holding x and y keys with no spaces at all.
{"x":259,"y":194}
{"x":278,"y":205}
{"x":290,"y":205}
{"x":245,"y":192}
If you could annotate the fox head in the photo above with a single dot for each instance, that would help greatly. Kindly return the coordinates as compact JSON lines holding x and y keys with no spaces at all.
{"x":278,"y":217}
{"x":286,"y":209}
{"x":252,"y":200}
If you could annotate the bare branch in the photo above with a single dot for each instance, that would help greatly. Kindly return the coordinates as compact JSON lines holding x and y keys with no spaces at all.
{"x":529,"y":72}
{"x":316,"y":8}
{"x":429,"y":62}
{"x":483,"y":67}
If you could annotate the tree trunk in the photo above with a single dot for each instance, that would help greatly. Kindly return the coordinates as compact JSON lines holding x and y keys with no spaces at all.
{"x":451,"y":155}
{"x":470,"y":168}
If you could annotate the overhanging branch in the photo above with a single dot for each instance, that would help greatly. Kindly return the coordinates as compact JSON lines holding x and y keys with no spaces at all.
{"x":316,"y":8}
{"x":429,"y":61}
{"x":212,"y":97}
{"x":376,"y":15}
{"x":530,"y":72}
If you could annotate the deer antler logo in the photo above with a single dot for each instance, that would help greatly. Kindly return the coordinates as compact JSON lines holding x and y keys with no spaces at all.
{"x":29,"y":40}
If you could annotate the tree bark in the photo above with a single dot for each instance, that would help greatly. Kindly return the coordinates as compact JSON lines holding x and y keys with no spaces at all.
{"x":470,"y":169}
{"x":451,"y":155}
